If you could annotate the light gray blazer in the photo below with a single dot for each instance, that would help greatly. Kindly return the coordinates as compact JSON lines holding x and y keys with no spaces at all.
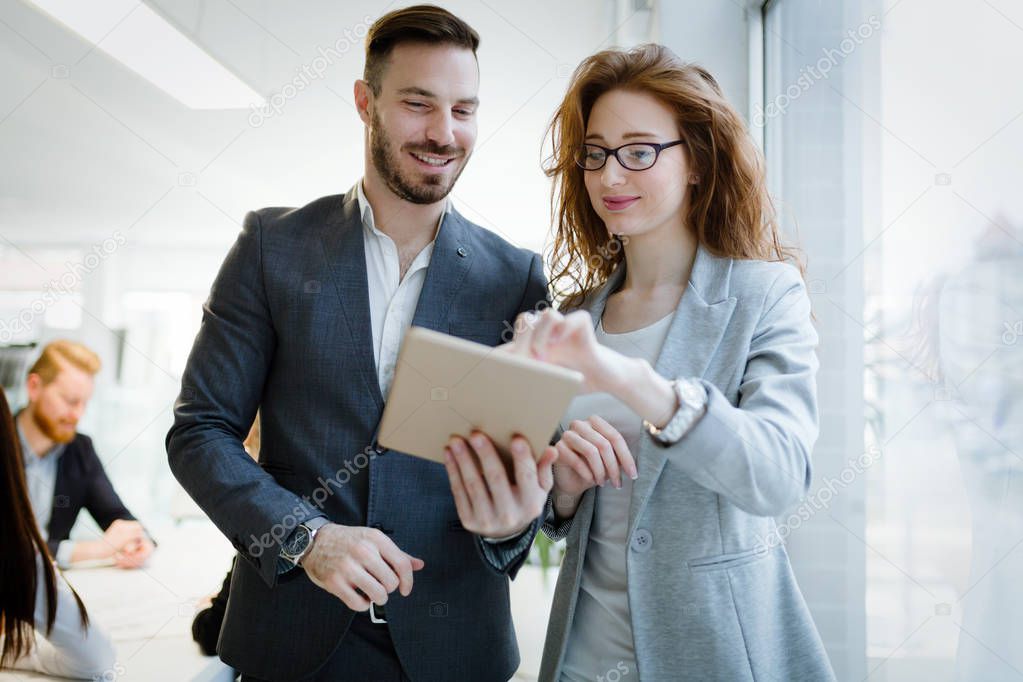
{"x":712,"y":596}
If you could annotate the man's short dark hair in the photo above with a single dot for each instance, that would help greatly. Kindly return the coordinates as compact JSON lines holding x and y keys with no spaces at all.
{"x":417,"y":24}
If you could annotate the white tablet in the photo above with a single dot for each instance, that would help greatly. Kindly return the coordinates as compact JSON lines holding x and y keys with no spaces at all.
{"x":445,"y":386}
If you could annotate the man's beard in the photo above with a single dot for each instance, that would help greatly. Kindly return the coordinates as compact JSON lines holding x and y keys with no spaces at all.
{"x":53,"y":429}
{"x":430,"y":188}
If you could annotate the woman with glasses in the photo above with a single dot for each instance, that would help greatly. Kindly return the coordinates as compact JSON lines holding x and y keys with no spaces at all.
{"x":33,"y":595}
{"x":696,"y":343}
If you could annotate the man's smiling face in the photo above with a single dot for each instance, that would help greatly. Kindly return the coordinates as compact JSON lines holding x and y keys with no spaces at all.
{"x":423,"y":121}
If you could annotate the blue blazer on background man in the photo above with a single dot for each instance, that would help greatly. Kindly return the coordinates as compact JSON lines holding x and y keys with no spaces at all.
{"x":286,"y":329}
{"x":82,"y":483}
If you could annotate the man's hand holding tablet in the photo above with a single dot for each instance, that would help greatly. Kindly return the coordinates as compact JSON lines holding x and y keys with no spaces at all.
{"x":488,"y":416}
{"x":488,"y":503}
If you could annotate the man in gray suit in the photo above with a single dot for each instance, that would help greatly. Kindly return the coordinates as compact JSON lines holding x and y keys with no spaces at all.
{"x":305,"y":320}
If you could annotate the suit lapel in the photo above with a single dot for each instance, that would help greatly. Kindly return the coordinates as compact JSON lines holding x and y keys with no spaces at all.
{"x":344,"y":246}
{"x":696,"y":330}
{"x":391,"y":477}
{"x":449,"y":264}
{"x":345,"y":253}
{"x":58,"y":524}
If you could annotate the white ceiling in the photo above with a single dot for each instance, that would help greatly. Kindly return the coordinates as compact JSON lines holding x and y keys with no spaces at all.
{"x":91,"y":148}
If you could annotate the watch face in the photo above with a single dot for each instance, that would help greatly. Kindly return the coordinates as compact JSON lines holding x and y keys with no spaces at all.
{"x":692,"y":392}
{"x":298,"y":542}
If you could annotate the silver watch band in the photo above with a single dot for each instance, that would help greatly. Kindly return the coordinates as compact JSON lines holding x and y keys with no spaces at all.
{"x":692,"y":404}
{"x":312,"y":526}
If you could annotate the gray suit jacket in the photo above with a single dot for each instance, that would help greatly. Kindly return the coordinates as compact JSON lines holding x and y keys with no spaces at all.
{"x":287,"y":328}
{"x":711,"y":596}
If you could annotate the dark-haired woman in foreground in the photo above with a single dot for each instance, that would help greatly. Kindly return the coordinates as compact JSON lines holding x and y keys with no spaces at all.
{"x":696,"y":342}
{"x":33,"y":595}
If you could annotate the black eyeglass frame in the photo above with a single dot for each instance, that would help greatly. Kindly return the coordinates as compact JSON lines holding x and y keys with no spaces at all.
{"x":658,"y":148}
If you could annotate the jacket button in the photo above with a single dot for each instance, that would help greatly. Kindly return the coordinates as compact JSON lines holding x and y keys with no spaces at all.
{"x":642,"y":541}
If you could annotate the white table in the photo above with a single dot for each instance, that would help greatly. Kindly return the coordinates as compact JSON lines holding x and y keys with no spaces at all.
{"x":148,"y":612}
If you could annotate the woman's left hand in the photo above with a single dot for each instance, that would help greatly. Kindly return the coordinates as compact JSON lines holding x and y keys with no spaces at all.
{"x":569,"y":341}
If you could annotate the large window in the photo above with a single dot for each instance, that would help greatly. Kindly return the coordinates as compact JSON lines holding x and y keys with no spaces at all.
{"x":888,"y":128}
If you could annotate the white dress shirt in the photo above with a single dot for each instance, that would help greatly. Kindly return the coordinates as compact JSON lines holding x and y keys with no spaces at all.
{"x":41,"y":478}
{"x":392,"y":300}
{"x":601,"y":637}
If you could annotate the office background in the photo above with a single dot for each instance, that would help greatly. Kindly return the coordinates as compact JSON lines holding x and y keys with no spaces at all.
{"x":135,"y":136}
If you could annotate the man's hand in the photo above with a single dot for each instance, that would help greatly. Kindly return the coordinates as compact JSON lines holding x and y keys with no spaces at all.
{"x":359,"y":565}
{"x":134,"y":554}
{"x":123,"y":541}
{"x":127,"y":543}
{"x":488,"y":503}
{"x":121,"y":532}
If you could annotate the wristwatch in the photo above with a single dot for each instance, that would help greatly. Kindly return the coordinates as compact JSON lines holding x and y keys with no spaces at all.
{"x":298,"y":543}
{"x":692,"y":404}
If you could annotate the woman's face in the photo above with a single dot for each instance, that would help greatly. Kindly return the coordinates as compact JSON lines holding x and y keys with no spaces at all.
{"x":630,"y":202}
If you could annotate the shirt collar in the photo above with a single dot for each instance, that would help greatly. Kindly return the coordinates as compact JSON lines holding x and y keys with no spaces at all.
{"x":29,"y":455}
{"x":366,"y":211}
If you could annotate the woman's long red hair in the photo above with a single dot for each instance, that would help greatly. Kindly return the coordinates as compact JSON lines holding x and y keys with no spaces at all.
{"x":729,"y":208}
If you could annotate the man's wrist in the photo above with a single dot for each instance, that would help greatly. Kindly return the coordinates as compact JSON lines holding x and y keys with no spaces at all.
{"x":506,"y":538}
{"x":289,"y":556}
{"x":91,"y":550}
{"x":65,"y":553}
{"x":318,"y":523}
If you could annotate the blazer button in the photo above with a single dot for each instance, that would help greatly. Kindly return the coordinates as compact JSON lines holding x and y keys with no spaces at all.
{"x":642,"y":541}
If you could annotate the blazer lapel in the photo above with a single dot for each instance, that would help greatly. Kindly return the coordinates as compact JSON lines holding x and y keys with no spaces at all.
{"x":344,"y":245}
{"x":59,"y":525}
{"x":696,"y":330}
{"x":345,"y":253}
{"x":449,"y":264}
{"x":700,"y":322}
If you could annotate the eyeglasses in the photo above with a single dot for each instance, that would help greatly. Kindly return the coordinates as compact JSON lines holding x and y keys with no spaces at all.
{"x":634,"y":156}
